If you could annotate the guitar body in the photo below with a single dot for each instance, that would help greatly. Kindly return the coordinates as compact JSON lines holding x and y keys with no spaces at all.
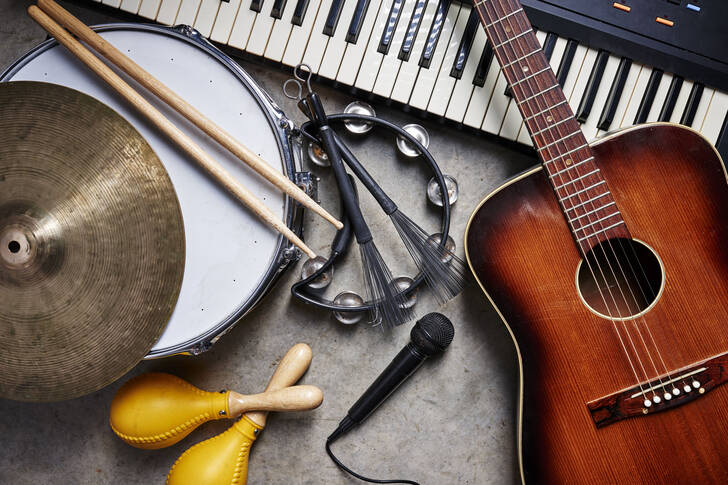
{"x":670,"y":186}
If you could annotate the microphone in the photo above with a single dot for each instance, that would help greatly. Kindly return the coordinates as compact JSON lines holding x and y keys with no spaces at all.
{"x":430,"y":335}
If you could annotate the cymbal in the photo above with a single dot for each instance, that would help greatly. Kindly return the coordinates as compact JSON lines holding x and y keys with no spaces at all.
{"x":91,"y":244}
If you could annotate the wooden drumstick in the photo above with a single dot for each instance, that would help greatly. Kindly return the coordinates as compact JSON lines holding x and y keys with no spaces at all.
{"x":213,"y":168}
{"x":116,"y":57}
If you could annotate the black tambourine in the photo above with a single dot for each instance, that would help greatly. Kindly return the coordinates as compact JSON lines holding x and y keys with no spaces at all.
{"x":340,"y":243}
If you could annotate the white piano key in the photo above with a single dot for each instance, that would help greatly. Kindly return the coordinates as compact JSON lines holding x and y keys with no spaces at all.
{"x":583,"y":78}
{"x":624,"y":100}
{"x":660,"y":97}
{"x":556,"y":56}
{"x":206,"y":16}
{"x":426,"y":78}
{"x":111,"y":3}
{"x":637,"y":95}
{"x":337,"y":43}
{"x":513,"y":120}
{"x":682,"y":101}
{"x":715,"y":116}
{"x":463,"y":90}
{"x":444,"y":84}
{"x":391,"y":62}
{"x":480,"y":99}
{"x":354,"y":54}
{"x":372,"y":59}
{"x":261,"y":31}
{"x":243,"y":26}
{"x":187,"y":12}
{"x":224,"y":21}
{"x":705,"y":100}
{"x":131,"y":6}
{"x":318,"y":40}
{"x":168,"y":11}
{"x":280,"y":33}
{"x":589,"y":127}
{"x":408,"y":70}
{"x":149,"y":9}
{"x":300,"y":33}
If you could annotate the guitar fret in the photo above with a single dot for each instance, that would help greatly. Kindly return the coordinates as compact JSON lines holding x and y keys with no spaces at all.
{"x":588,"y":201}
{"x":502,"y":18}
{"x":513,"y":38}
{"x":577,"y":178}
{"x":602,"y":219}
{"x":600,"y":231}
{"x":521,"y":58}
{"x":582,"y":190}
{"x":551,"y":126}
{"x":592,"y":211}
{"x":529,"y":77}
{"x":578,"y":132}
{"x":539,"y":93}
{"x":547,"y":109}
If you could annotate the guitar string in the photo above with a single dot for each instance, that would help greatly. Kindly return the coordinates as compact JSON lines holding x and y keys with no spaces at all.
{"x":591,"y":269}
{"x":634,"y":321}
{"x":589,"y":219}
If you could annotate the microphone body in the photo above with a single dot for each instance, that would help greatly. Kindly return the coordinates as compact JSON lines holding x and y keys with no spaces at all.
{"x":430,"y":335}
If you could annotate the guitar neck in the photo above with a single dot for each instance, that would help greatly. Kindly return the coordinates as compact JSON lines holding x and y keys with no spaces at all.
{"x":583,"y":194}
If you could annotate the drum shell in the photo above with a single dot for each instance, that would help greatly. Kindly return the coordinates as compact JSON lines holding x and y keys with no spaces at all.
{"x":289,"y":148}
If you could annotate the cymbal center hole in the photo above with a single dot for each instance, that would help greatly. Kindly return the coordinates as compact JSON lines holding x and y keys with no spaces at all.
{"x":14,"y":246}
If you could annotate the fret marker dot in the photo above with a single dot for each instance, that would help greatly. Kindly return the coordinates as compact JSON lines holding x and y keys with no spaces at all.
{"x":549,"y":118}
{"x":525,"y":68}
{"x":507,"y":28}
{"x":568,"y":162}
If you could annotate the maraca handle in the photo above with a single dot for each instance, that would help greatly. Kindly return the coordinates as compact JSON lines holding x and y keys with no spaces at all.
{"x":220,"y":460}
{"x":296,"y":398}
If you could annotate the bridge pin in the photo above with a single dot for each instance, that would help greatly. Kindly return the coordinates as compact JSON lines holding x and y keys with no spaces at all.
{"x":676,"y":391}
{"x":686,"y":388}
{"x":656,"y":399}
{"x":667,"y":396}
{"x":696,"y":384}
{"x":648,"y":403}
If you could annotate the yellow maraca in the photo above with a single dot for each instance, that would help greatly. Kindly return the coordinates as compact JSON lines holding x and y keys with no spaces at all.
{"x":223,"y":459}
{"x":156,"y":410}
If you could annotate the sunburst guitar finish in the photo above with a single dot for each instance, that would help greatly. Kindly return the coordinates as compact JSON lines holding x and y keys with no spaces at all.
{"x":577,"y":421}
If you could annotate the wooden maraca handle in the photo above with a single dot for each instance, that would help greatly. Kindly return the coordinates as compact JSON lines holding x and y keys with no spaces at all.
{"x":296,"y":398}
{"x":290,"y":369}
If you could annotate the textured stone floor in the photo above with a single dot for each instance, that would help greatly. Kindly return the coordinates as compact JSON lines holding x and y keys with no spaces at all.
{"x":453,"y":422}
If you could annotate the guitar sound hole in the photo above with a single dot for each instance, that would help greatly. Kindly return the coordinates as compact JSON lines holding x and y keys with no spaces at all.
{"x":620,"y":278}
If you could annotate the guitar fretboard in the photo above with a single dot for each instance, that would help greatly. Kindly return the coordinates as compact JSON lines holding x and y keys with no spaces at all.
{"x":583,"y":194}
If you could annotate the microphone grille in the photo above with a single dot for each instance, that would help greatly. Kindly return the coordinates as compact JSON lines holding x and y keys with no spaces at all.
{"x":433,"y":333}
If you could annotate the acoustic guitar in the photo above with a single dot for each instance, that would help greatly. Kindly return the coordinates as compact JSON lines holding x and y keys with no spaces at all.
{"x":608,"y":264}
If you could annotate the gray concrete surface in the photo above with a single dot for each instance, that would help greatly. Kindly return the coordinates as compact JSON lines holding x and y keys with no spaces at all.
{"x":453,"y":422}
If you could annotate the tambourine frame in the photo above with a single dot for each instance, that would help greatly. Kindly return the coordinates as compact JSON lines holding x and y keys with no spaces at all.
{"x":301,"y":289}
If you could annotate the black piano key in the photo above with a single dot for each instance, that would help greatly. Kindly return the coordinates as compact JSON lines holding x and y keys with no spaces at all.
{"x":414,"y":26}
{"x":672,"y":93}
{"x":646,"y":104}
{"x":332,"y":19}
{"x":615,"y":94}
{"x":483,"y":65}
{"x":434,"y":34}
{"x":566,"y":60}
{"x":278,"y":7}
{"x":388,"y":34}
{"x":300,"y":12}
{"x":722,"y":144}
{"x":691,"y":108}
{"x":548,"y":49}
{"x":461,"y":57}
{"x":592,"y":86}
{"x":256,"y":5}
{"x":360,"y":13}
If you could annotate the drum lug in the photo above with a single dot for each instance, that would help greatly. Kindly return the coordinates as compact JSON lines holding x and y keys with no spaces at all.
{"x":188,"y":31}
{"x":200,"y":348}
{"x":309,"y":184}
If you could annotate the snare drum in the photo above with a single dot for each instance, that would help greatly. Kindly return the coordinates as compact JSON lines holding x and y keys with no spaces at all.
{"x":232,"y":258}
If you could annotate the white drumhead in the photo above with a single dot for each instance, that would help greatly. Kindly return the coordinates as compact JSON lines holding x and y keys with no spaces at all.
{"x":229,"y":251}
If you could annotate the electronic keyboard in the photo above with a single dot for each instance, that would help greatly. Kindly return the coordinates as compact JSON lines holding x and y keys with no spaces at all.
{"x":619,"y":63}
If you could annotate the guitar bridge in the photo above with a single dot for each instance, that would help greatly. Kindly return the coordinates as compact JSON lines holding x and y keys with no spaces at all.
{"x":662,"y":393}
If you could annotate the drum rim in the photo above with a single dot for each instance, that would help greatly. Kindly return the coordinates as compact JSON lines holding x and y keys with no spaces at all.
{"x":278,"y":122}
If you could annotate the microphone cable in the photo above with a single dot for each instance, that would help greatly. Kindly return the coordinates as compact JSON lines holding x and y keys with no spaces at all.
{"x":343,"y":428}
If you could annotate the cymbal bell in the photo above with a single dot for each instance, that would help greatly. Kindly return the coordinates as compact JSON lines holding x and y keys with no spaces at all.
{"x":91,"y":244}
